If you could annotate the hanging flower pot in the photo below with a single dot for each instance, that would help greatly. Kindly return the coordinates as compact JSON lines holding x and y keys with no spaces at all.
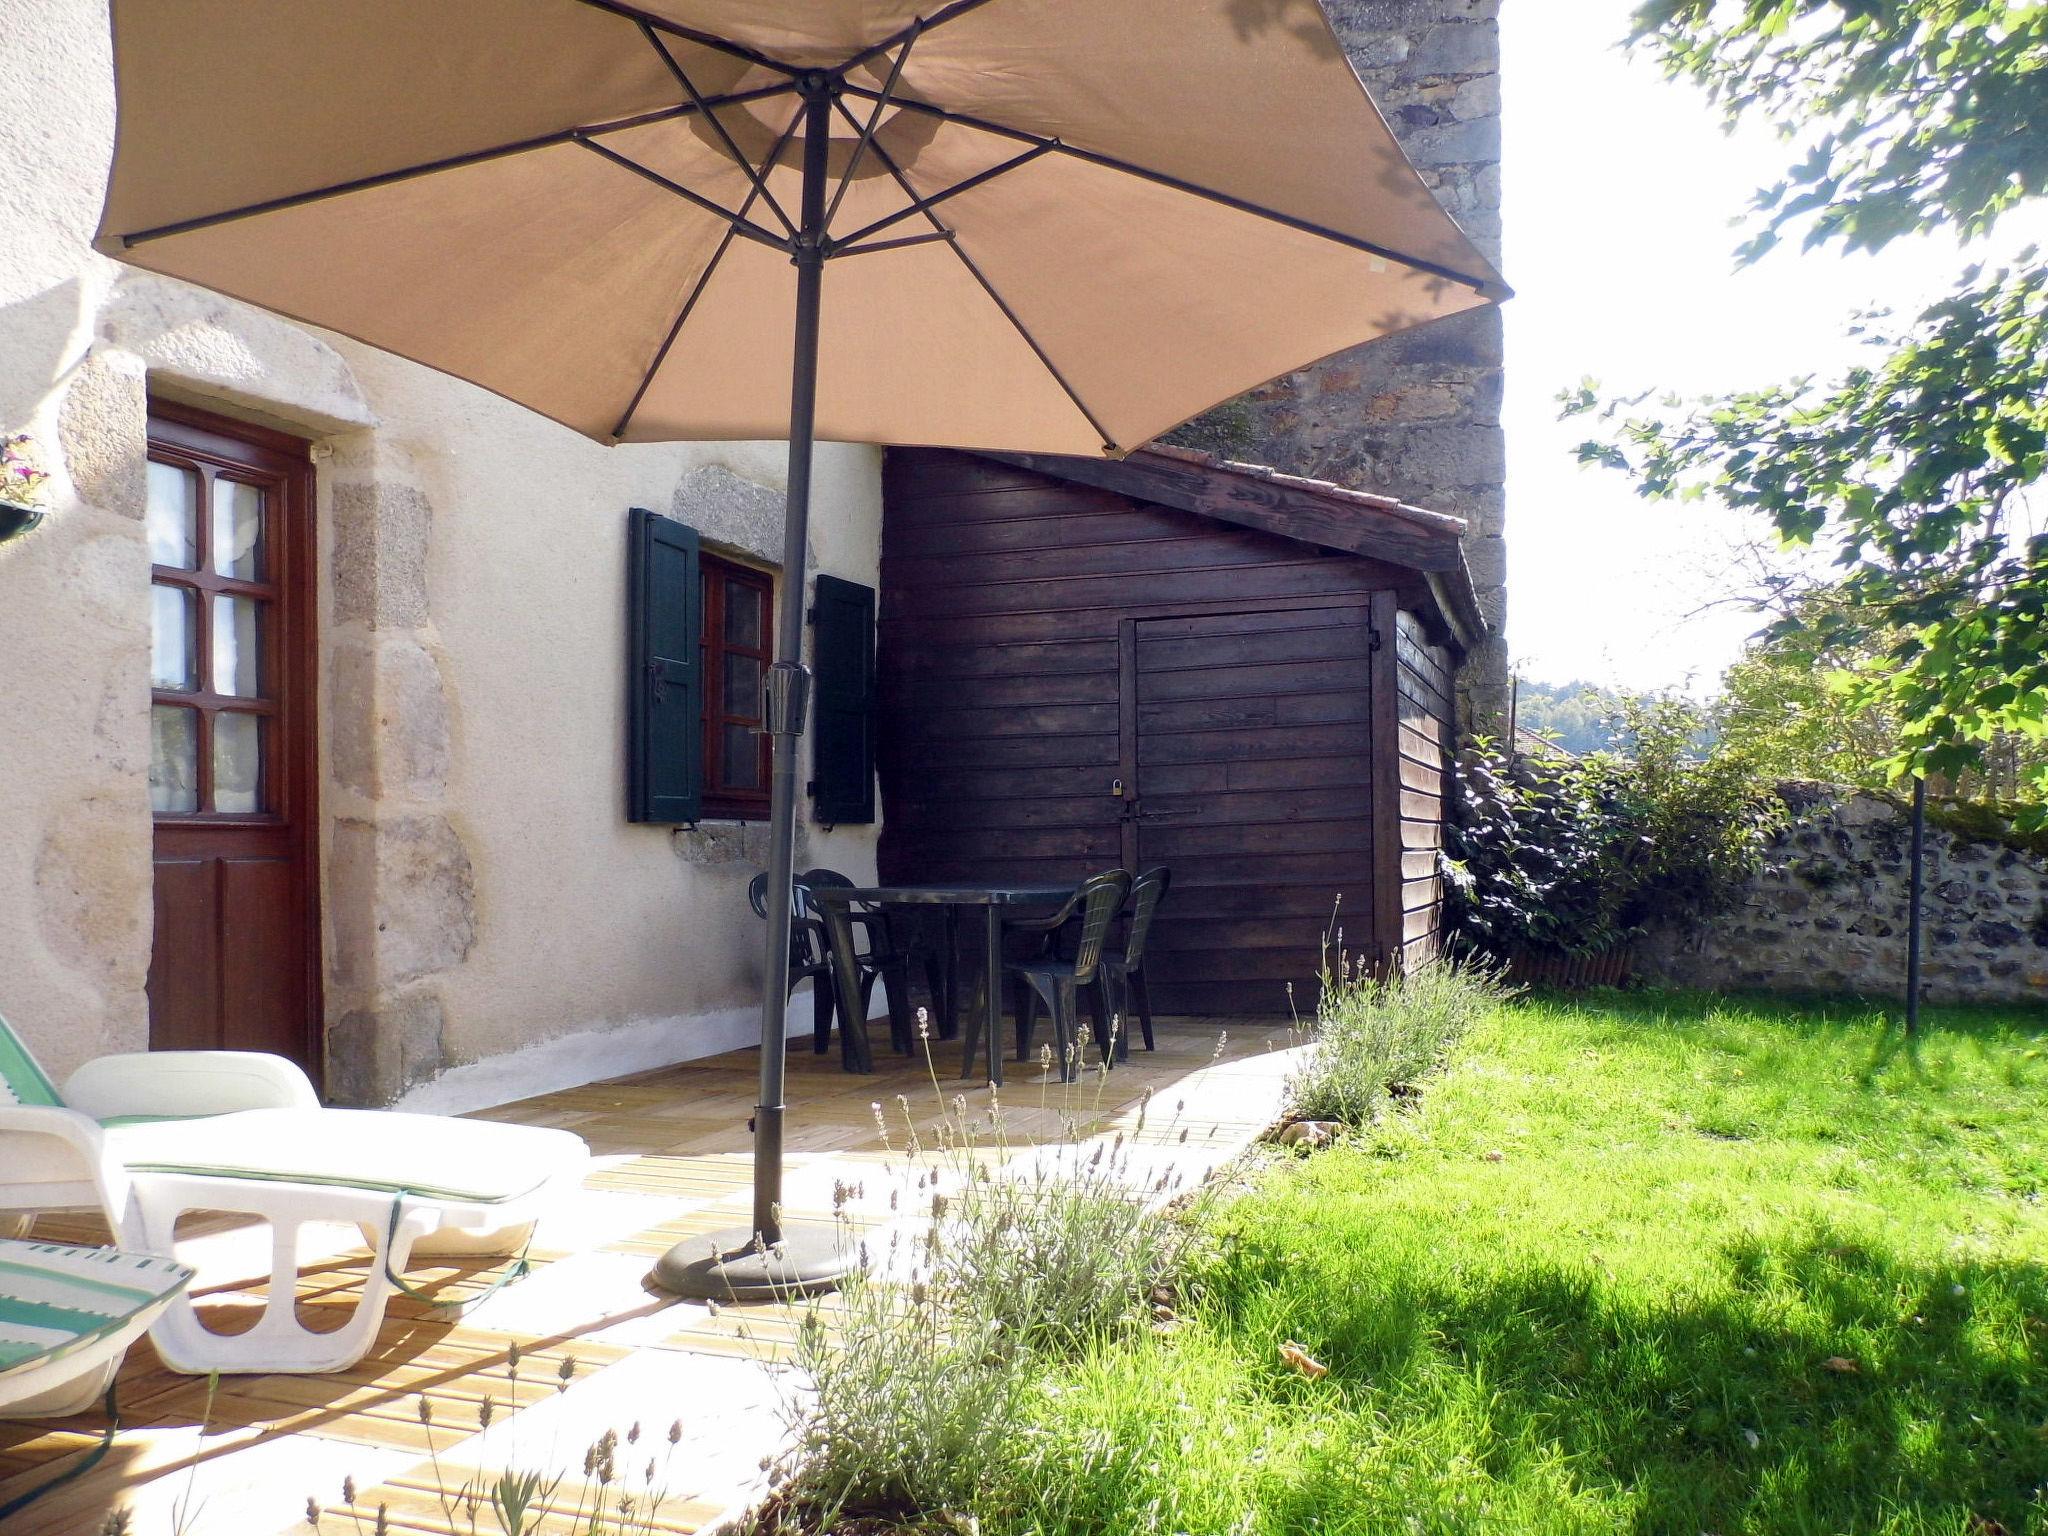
{"x":15,"y":520}
{"x":21,"y":486}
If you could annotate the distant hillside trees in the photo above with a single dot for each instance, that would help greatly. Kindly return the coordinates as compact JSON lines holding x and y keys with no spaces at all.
{"x":1583,"y":718}
{"x":1577,"y":716}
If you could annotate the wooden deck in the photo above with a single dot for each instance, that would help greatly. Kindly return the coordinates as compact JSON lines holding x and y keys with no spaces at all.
{"x":581,"y":1347}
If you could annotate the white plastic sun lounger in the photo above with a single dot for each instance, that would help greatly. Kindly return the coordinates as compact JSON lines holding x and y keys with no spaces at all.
{"x":68,"y":1315}
{"x":145,"y":1138}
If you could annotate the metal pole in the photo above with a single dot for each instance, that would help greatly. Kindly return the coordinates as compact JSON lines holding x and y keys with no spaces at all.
{"x":789,"y":680}
{"x":767,"y":1259}
{"x":1915,"y":885}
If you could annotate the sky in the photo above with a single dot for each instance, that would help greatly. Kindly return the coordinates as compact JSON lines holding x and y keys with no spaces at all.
{"x":1620,"y":189}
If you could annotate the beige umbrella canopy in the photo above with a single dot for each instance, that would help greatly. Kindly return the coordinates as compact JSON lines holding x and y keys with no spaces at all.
{"x":1075,"y":224}
{"x":1058,"y":226}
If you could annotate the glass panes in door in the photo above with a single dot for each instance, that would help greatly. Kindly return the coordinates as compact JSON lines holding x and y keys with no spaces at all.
{"x":212,"y":593}
{"x":237,"y":763}
{"x":173,"y":638}
{"x":238,"y":530}
{"x":172,"y":520}
{"x":173,"y":759}
{"x":236,"y":656}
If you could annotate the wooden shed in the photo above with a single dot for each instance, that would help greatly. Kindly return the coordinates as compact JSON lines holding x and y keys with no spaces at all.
{"x":1172,"y":660}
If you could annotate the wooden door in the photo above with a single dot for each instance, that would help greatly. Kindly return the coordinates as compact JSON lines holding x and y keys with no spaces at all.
{"x":235,"y":964}
{"x":1247,"y":750}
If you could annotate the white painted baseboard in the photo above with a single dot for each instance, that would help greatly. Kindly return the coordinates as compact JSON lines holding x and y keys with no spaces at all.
{"x":593,"y":1055}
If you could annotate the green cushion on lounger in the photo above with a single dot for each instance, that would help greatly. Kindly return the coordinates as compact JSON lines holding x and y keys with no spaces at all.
{"x":56,"y":1300}
{"x":467,"y":1160}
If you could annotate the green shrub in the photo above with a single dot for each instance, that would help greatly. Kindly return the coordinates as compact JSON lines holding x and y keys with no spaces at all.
{"x":1375,"y":1036}
{"x":912,"y":1398}
{"x":1059,"y":1254}
{"x":921,"y":1369}
{"x":1577,"y":856}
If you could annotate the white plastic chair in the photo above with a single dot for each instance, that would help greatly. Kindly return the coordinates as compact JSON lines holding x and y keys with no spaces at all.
{"x":145,"y":1138}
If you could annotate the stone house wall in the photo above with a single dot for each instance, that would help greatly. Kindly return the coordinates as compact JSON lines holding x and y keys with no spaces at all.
{"x":493,"y":925}
{"x":1416,"y":416}
{"x":1828,"y":912}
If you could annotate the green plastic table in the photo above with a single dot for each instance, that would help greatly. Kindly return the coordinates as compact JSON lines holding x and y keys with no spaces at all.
{"x":835,"y":903}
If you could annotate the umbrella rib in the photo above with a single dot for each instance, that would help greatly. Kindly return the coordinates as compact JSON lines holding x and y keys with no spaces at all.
{"x":741,"y":225}
{"x":429,"y":167}
{"x":1109,"y":443}
{"x":893,"y":245}
{"x":757,"y":178}
{"x":696,"y":292}
{"x":1194,"y":189}
{"x":661,"y":353}
{"x":709,"y":40}
{"x":938,"y":18}
{"x":926,"y":204}
{"x":867,"y":133}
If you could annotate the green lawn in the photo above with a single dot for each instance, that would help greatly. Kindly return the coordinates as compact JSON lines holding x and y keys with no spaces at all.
{"x":1649,"y":1263}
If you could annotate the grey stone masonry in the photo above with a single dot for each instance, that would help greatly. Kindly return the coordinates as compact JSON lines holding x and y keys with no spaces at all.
{"x":1416,"y":416}
{"x":1828,"y":912}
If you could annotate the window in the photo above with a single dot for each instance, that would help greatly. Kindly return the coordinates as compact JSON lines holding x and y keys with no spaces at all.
{"x":699,"y":641}
{"x":213,"y":597}
{"x":738,"y":619}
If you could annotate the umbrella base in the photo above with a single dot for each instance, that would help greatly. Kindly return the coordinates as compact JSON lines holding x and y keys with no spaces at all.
{"x":729,"y":1265}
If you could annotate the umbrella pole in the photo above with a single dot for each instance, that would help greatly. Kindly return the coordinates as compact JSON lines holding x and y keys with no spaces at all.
{"x":765,"y":1259}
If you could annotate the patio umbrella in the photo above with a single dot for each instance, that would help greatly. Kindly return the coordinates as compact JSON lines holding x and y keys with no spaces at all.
{"x":1057,"y":226}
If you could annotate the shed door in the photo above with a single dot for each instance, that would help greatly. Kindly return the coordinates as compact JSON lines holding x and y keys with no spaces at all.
{"x":1247,"y":749}
{"x":235,"y":963}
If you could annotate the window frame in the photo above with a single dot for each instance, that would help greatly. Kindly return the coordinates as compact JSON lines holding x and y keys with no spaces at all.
{"x":212,"y":454}
{"x":720,"y":801}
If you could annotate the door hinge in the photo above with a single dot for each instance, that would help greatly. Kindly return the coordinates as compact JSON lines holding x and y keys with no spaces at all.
{"x":1373,"y":639}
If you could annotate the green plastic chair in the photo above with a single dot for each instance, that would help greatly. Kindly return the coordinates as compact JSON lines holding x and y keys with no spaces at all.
{"x":810,"y":959}
{"x":883,"y":959}
{"x":1125,"y":966}
{"x":1057,"y":982}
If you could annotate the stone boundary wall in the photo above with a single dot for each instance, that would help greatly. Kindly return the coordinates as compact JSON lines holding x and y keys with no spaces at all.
{"x":1828,"y":912}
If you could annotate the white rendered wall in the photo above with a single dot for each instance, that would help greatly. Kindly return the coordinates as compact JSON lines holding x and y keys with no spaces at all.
{"x":493,"y":924}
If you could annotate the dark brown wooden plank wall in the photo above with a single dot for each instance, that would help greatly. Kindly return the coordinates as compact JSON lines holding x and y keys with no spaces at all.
{"x":1424,"y":741}
{"x":1004,"y":597}
{"x":1257,"y":827}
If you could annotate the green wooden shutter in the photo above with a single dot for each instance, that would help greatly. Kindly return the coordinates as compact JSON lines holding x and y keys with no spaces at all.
{"x":843,"y":727}
{"x":665,"y":692}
